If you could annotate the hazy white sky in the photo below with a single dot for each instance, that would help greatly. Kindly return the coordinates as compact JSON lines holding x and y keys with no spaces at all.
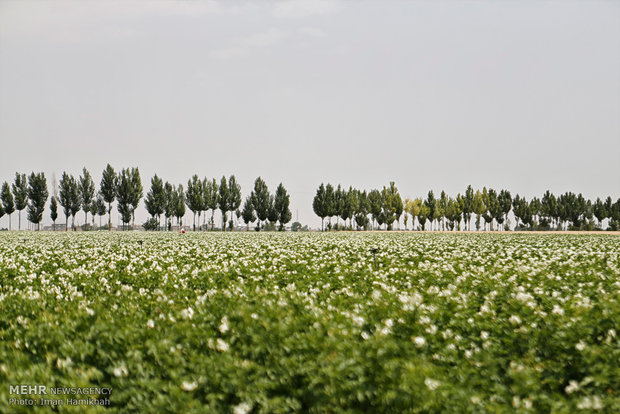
{"x":433,"y":95}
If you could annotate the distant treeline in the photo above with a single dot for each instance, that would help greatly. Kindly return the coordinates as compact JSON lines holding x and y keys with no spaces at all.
{"x":376,"y":209}
{"x":125,"y":187}
{"x":358,"y":210}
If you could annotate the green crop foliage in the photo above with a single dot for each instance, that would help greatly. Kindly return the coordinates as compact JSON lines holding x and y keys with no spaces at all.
{"x":309,"y":322}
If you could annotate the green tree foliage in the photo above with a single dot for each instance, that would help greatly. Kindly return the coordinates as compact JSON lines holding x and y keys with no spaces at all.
{"x":86,"y":189}
{"x":234,"y":199}
{"x":478,"y":207}
{"x":194,"y":197}
{"x":108,"y":190}
{"x":362,"y":210}
{"x":548,"y":208}
{"x":37,"y":196}
{"x":179,"y":211}
{"x":392,"y":204}
{"x":319,"y":205}
{"x":124,"y":195}
{"x":432,"y":207}
{"x":224,"y":196}
{"x":375,"y":203}
{"x":468,"y":206}
{"x":101,"y":207}
{"x":330,"y":203}
{"x":54,"y":211}
{"x":212,"y":198}
{"x":247,"y":214}
{"x":155,"y":201}
{"x":521,"y":210}
{"x":600,"y":211}
{"x":20,"y":192}
{"x":8,"y":204}
{"x":93,"y":210}
{"x":136,"y":193}
{"x":281,"y":206}
{"x":69,"y":198}
{"x":505,"y":203}
{"x":261,"y":201}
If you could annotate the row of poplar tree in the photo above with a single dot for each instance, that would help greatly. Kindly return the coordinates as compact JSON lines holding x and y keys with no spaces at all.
{"x":125,"y":187}
{"x":489,"y":208}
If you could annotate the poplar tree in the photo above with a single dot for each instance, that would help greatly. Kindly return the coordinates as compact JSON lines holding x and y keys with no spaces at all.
{"x":155,"y":200}
{"x":281,"y":205}
{"x":224,"y":196}
{"x":212,"y":189}
{"x":136,"y":193}
{"x":179,"y":211}
{"x":54,"y":211}
{"x":8,"y":203}
{"x":319,"y":205}
{"x":375,"y":203}
{"x":234,"y":201}
{"x":37,"y":194}
{"x":20,"y":192}
{"x":101,"y":207}
{"x":430,"y":203}
{"x":260,"y":201}
{"x":108,"y":190}
{"x":69,"y":197}
{"x":247,"y":214}
{"x":468,"y":206}
{"x":87,"y":192}
{"x":170,"y":204}
{"x":124,"y":195}
{"x":194,"y":198}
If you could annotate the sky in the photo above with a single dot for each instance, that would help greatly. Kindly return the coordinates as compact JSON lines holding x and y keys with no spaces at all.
{"x":522,"y":95}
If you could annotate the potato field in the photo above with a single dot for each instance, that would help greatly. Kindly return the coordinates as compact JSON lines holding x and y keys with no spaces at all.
{"x":312,"y":322}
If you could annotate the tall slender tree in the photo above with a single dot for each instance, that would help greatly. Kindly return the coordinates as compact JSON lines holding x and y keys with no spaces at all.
{"x":179,"y":211}
{"x":261,"y":201}
{"x":479,"y":207}
{"x":430,"y":203}
{"x":93,"y":211}
{"x":108,"y":190}
{"x":505,"y":203}
{"x":468,"y":206}
{"x":194,"y":197}
{"x":8,"y":203}
{"x":170,"y":204}
{"x":234,"y":200}
{"x":86,"y":188}
{"x":69,"y":198}
{"x":247,"y":214}
{"x":213,"y":199}
{"x":600,"y":212}
{"x":319,"y":205}
{"x":37,"y":194}
{"x":155,"y":200}
{"x":281,"y":205}
{"x":375,"y":202}
{"x":101,"y":207}
{"x":20,"y":192}
{"x":136,"y":193}
{"x":223,"y":200}
{"x":54,"y":211}
{"x":124,"y":195}
{"x":363,"y":209}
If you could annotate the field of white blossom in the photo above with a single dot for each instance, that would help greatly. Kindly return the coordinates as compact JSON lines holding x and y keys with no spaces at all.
{"x":272,"y":322}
